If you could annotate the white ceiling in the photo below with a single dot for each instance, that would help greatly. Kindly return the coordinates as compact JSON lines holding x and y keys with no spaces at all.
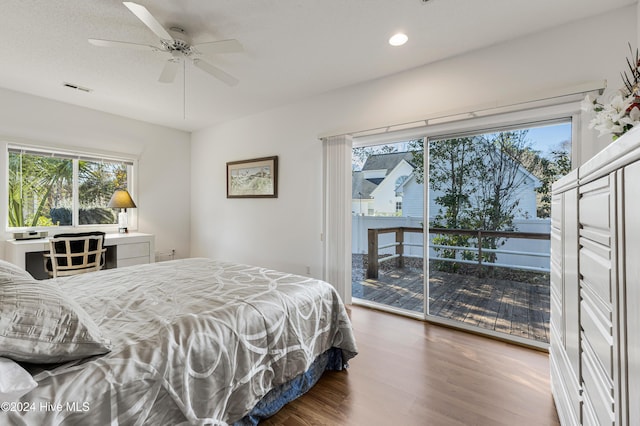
{"x":294,"y":49}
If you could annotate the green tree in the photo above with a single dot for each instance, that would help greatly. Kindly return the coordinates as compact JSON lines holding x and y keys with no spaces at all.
{"x":36,"y":184}
{"x":97,"y":182}
{"x":416,"y":147}
{"x":551,"y":170}
{"x":499,"y":177}
{"x":452,"y":164}
{"x":41,"y":190}
{"x":478,"y":178}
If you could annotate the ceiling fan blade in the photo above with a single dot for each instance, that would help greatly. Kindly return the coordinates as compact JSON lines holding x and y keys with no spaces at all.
{"x":222,"y":46}
{"x":169,"y":71}
{"x":216,"y":72}
{"x":113,"y":43}
{"x":147,"y":18}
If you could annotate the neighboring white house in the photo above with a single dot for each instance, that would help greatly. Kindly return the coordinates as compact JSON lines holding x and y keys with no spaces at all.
{"x":388,"y":180}
{"x":386,"y":200}
{"x":412,"y":196}
{"x":387,"y":186}
{"x":373,"y":189}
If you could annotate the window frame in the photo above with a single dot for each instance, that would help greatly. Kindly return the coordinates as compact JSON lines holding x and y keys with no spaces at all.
{"x":75,"y":155}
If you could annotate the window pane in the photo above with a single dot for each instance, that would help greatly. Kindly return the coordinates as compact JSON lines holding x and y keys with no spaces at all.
{"x":387,"y":205}
{"x":489,"y":244}
{"x":40,"y":190}
{"x":96,"y":183}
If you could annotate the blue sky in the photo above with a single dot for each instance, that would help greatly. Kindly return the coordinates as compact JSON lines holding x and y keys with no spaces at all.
{"x":548,"y":138}
{"x":544,"y":139}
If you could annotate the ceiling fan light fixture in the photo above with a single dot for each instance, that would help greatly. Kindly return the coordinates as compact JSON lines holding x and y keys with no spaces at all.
{"x":178,"y":47}
{"x":398,"y":39}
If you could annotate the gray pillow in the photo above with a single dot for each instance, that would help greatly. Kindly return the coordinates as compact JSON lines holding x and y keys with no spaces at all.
{"x":15,"y":381}
{"x":11,"y":269}
{"x":40,"y":324}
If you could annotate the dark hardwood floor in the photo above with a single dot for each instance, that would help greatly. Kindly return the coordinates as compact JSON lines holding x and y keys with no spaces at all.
{"x":409,"y":372}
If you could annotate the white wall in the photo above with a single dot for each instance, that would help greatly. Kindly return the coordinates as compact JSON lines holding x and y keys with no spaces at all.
{"x":384,"y":196}
{"x":285,"y":232}
{"x":413,"y":199}
{"x":163,"y":196}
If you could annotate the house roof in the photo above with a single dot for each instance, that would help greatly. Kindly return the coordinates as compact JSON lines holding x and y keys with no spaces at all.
{"x":361,"y":188}
{"x":387,"y":161}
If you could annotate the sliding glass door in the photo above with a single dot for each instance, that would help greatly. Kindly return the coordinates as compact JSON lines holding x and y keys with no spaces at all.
{"x":481,"y":203}
{"x":489,"y":206}
{"x":387,"y":226}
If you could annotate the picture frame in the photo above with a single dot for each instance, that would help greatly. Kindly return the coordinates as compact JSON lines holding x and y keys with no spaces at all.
{"x":254,"y":178}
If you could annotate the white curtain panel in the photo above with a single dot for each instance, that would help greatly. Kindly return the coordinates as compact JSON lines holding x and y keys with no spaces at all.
{"x":337,"y":213}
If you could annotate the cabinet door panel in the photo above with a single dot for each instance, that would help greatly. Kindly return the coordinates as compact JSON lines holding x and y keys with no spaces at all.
{"x":595,"y":211}
{"x":589,"y":417}
{"x":130,"y":261}
{"x":632,"y":286}
{"x":598,"y":331}
{"x":597,"y":390}
{"x":595,"y":268}
{"x":556,"y":209}
{"x":571,"y":290}
{"x":126,"y":251}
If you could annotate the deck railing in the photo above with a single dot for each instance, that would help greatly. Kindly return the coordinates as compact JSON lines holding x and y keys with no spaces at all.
{"x":374,"y":248}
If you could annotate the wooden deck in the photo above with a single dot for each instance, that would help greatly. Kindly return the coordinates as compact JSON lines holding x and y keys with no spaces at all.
{"x":512,"y":307}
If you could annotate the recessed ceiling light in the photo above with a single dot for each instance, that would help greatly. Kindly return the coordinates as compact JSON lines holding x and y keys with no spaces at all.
{"x":398,"y":39}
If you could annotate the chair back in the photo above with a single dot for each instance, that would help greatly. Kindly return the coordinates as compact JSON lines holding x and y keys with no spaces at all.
{"x":72,"y":254}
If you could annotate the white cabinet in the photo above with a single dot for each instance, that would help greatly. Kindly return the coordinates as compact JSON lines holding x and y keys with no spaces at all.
{"x":601,"y":253}
{"x":565,"y":327}
{"x":134,"y":251}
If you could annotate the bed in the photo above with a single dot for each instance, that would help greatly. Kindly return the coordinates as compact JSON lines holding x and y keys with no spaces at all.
{"x":191,"y":341}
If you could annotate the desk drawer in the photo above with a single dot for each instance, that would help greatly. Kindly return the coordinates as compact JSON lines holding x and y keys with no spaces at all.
{"x":133,"y":261}
{"x":127,"y":251}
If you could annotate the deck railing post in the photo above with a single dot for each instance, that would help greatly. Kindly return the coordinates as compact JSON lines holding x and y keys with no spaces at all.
{"x":479,"y":253}
{"x":372,"y":247}
{"x":400,"y":247}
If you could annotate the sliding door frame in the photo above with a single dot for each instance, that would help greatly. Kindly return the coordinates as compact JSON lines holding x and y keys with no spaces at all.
{"x":543,"y":116}
{"x":499,"y":122}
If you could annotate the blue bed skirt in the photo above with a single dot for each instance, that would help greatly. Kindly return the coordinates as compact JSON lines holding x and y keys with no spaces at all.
{"x":281,"y":395}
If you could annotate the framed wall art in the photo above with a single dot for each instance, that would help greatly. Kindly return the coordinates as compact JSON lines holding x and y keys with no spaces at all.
{"x":256,"y":178}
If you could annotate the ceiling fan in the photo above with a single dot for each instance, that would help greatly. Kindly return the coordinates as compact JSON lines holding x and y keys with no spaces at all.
{"x":177,"y":47}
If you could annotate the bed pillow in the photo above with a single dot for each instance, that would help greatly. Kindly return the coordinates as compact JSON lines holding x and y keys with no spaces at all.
{"x":40,"y":324}
{"x":15,"y":381}
{"x":11,"y":269}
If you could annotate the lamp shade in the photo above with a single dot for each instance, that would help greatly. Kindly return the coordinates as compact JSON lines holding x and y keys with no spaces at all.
{"x":121,"y":200}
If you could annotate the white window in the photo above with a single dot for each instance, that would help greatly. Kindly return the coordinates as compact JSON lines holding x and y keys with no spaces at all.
{"x":56,"y":189}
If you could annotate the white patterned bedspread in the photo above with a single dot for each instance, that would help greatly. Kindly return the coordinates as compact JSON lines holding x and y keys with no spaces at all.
{"x":195,"y":341}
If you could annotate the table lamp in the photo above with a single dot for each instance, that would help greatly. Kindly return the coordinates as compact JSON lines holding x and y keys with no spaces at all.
{"x":122,"y":200}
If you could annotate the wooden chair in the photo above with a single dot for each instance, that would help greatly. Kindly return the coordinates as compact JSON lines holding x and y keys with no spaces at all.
{"x":71,"y":254}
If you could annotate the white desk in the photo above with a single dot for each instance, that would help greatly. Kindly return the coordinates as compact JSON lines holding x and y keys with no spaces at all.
{"x":122,"y":250}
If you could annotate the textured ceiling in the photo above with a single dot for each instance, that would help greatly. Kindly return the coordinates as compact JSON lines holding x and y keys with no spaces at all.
{"x":293,"y":48}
